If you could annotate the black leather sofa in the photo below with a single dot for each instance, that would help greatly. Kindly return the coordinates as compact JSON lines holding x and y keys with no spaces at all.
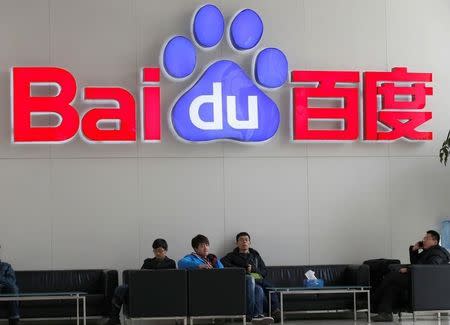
{"x":430,"y":287}
{"x":98,"y":284}
{"x":333,"y":275}
{"x":179,"y":293}
{"x":212,"y":293}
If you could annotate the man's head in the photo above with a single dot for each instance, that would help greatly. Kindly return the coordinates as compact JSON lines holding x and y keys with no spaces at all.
{"x":431,"y":239}
{"x":243,"y":242}
{"x":200,"y":244}
{"x":160,"y":248}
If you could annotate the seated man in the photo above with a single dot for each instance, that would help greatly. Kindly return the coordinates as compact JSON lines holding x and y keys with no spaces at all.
{"x":200,"y":258}
{"x":392,"y":286}
{"x":245,"y":257}
{"x":159,"y":262}
{"x":8,"y":286}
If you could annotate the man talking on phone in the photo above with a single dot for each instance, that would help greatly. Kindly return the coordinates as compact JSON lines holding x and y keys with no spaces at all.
{"x":427,"y":251}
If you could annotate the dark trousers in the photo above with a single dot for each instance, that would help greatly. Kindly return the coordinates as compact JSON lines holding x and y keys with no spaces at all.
{"x":255,"y":297}
{"x":119,"y":298}
{"x":390,"y":292}
{"x":7,"y":288}
{"x":274,"y":298}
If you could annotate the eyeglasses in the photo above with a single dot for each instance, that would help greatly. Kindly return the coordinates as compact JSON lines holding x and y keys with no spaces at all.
{"x":159,"y":250}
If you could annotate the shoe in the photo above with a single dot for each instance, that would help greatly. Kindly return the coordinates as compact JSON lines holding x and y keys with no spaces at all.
{"x":383,"y":317}
{"x":113,"y":321}
{"x":15,"y":321}
{"x":277,"y":316}
{"x":248,"y":319}
{"x":262,"y":320}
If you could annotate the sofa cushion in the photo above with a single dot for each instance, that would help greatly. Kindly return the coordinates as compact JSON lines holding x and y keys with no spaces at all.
{"x":89,"y":281}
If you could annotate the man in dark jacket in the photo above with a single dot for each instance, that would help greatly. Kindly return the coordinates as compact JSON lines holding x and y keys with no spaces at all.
{"x":392,"y":286}
{"x":159,"y":262}
{"x":8,"y":286}
{"x":245,"y":257}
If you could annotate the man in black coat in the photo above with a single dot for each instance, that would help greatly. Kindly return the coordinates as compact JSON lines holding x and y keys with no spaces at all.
{"x":8,"y":285}
{"x":392,"y":286}
{"x":249,"y":259}
{"x":159,"y":262}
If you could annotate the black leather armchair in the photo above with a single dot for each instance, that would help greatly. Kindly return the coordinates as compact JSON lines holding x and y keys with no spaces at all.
{"x":217,"y":293}
{"x":430,"y":288}
{"x":156,"y":294}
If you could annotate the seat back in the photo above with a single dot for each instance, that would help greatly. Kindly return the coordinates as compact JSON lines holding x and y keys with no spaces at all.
{"x":89,"y":281}
{"x":219,"y":292}
{"x":156,"y":293}
{"x":293,"y":276}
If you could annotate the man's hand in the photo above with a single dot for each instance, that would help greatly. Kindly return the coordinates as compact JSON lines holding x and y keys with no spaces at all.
{"x":205,"y":266}
{"x":403,"y":270}
{"x":416,"y":247}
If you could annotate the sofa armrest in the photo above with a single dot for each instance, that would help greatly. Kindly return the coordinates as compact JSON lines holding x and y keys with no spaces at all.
{"x":358,"y":275}
{"x":430,"y":287}
{"x":110,"y":283}
{"x":397,"y":267}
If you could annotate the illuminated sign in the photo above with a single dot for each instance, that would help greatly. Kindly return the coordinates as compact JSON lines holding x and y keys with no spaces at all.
{"x":122,"y":110}
{"x":226,"y":103}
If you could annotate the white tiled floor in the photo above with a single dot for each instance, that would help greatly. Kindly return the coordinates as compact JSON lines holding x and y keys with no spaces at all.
{"x":421,"y":320}
{"x":406,"y":320}
{"x":425,"y":319}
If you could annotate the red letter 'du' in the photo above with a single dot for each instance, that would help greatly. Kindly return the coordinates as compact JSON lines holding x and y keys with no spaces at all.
{"x":24,"y":105}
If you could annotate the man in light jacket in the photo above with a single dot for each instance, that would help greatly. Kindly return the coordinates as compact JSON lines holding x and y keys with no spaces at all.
{"x":200,"y":258}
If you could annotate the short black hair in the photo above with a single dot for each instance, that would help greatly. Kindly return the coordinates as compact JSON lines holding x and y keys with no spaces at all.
{"x":160,"y":243}
{"x":435,"y":235}
{"x":199,"y":239}
{"x":242,"y":234}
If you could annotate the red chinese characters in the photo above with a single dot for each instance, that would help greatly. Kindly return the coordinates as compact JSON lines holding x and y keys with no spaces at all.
{"x":304,"y":113}
{"x":394,"y":107}
{"x":386,"y":120}
{"x":401,"y":118}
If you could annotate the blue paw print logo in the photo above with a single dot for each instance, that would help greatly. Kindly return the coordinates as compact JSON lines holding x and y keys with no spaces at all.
{"x":224,"y":103}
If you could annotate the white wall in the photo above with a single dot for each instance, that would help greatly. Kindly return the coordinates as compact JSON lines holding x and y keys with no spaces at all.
{"x":86,"y":206}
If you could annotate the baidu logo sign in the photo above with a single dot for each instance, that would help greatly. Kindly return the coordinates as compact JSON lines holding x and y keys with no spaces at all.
{"x":225,"y":103}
